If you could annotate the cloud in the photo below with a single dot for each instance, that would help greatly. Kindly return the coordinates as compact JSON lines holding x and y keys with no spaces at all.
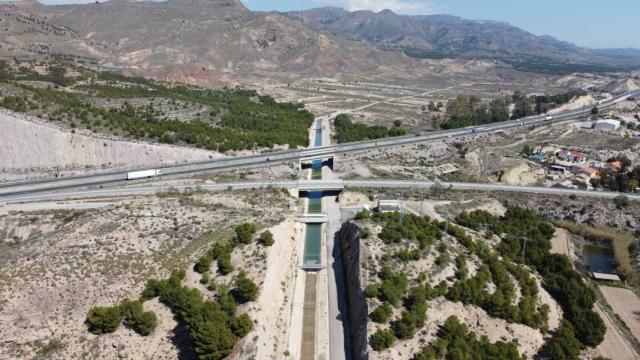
{"x":412,"y":7}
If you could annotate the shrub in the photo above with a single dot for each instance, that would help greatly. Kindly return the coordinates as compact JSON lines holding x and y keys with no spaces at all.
{"x":382,"y":339}
{"x":442,"y":259}
{"x":224,"y":264}
{"x":392,"y":288}
{"x":362,"y":214}
{"x":382,"y":313}
{"x":204,"y":279}
{"x":455,"y":341}
{"x":203,"y":264}
{"x":244,"y":233}
{"x":266,"y":238}
{"x":103,"y":320}
{"x":241,"y":325}
{"x":371,"y":291}
{"x":245,"y":289}
{"x":563,"y":345}
{"x":138,"y":320}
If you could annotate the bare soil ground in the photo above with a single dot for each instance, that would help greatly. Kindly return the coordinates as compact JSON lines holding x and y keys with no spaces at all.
{"x":626,"y":304}
{"x":614,"y":346}
{"x":560,"y":243}
{"x":30,"y":148}
{"x":55,"y":264}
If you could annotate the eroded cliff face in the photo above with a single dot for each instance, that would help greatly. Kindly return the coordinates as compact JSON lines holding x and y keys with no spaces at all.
{"x":357,"y":310}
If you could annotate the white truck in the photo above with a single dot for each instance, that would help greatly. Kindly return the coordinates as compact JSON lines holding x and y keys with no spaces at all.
{"x":141,"y":174}
{"x":548,"y":117}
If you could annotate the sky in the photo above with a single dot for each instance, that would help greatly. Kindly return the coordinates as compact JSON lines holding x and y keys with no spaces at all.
{"x":590,"y":23}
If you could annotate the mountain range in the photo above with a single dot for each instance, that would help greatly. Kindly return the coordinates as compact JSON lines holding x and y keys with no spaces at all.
{"x":220,"y":41}
{"x":436,"y":36}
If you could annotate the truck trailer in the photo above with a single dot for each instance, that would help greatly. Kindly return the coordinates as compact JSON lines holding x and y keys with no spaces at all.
{"x":141,"y":174}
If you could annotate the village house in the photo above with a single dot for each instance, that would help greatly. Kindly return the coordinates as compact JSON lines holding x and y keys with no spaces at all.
{"x":615,"y":166}
{"x":571,"y":155}
{"x":583,"y":181}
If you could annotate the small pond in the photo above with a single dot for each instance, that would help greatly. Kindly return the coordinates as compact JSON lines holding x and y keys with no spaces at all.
{"x":599,"y":259}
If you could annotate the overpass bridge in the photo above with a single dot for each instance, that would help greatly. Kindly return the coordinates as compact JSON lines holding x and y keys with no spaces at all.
{"x":311,"y":218}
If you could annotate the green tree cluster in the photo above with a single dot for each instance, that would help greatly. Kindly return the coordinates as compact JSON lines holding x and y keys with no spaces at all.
{"x":381,"y":313}
{"x":560,"y":279}
{"x":393,"y":286}
{"x":102,"y":320}
{"x":245,"y":289}
{"x":454,"y":342}
{"x":212,"y":325}
{"x":219,"y":251}
{"x":414,"y":315}
{"x":348,"y":131}
{"x":418,"y":229}
{"x":382,"y":339}
{"x":563,"y":345}
{"x":406,"y":255}
{"x":362,"y":214}
{"x":245,"y":123}
{"x":244,"y":233}
{"x":468,"y":110}
{"x":138,"y":320}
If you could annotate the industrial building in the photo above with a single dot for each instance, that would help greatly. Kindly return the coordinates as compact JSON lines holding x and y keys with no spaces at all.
{"x":607,"y":124}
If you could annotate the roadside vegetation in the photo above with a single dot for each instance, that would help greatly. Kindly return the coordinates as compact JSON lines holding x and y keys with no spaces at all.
{"x":468,"y":110}
{"x":348,"y":131}
{"x":238,"y":119}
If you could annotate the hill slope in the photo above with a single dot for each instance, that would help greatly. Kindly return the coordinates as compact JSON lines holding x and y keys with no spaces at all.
{"x":203,"y":41}
{"x":449,"y":36}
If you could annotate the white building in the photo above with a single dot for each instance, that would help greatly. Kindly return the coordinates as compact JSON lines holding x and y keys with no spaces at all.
{"x":388,"y":203}
{"x":607,"y":124}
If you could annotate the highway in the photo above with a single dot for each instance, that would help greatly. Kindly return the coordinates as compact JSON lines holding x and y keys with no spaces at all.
{"x":278,"y":157}
{"x":302,"y":184}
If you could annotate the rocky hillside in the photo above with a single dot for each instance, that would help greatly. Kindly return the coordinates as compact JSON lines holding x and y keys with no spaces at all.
{"x":449,"y":36}
{"x":197,"y":41}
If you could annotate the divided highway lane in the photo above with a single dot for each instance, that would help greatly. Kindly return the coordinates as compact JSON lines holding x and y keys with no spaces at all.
{"x":306,"y":185}
{"x":266,"y":159}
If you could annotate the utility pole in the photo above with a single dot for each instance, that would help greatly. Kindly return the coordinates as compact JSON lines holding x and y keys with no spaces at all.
{"x":524,"y":246}
{"x":401,"y":208}
{"x":484,"y":237}
{"x":446,"y":234}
